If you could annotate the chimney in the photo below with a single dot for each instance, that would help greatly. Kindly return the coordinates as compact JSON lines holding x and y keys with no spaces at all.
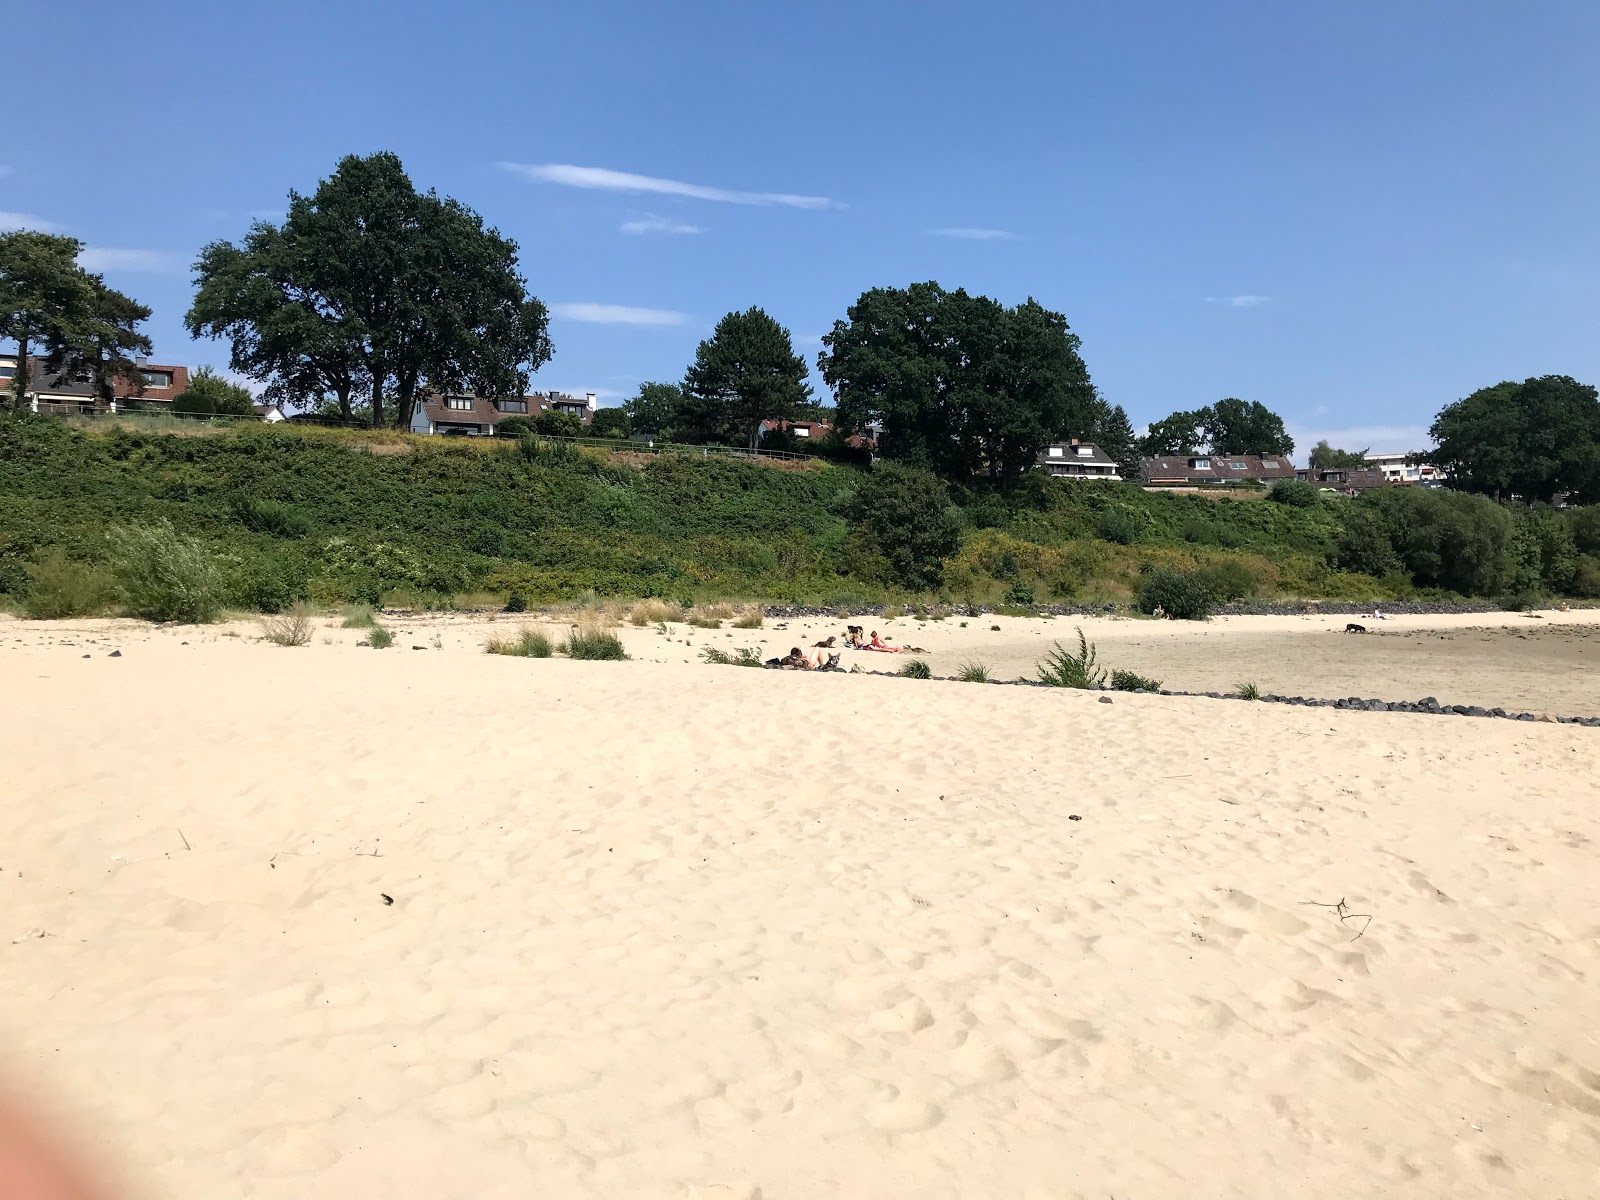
{"x":589,"y":400}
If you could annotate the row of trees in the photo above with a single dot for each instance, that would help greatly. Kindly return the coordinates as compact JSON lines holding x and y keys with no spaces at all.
{"x":960,"y":385}
{"x":1229,"y":426}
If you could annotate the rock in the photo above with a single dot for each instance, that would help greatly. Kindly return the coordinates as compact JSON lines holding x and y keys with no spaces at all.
{"x":115,"y":654}
{"x":1105,"y":699}
{"x":1377,"y":706}
{"x":1526,"y":717}
{"x":88,"y":656}
{"x":1474,"y":710}
{"x":1074,"y":817}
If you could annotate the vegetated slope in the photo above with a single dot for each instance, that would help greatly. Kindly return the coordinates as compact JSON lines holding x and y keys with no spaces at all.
{"x":332,"y":515}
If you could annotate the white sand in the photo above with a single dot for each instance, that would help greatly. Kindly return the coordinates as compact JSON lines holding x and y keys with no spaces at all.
{"x":676,"y":930}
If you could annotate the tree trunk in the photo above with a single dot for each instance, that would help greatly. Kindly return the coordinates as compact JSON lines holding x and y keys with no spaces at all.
{"x":377,"y":393}
{"x":342,"y":391}
{"x":19,"y":392}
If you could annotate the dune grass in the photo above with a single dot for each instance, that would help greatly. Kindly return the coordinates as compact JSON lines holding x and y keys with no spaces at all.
{"x":528,"y":643}
{"x":293,"y":627}
{"x":916,"y":668}
{"x":742,"y":657}
{"x":358,"y":616}
{"x":378,"y":638}
{"x":1062,"y":668}
{"x":594,"y":645}
{"x":973,"y":672}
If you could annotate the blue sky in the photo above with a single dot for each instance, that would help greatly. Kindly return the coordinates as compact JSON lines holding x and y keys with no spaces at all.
{"x":1354,"y":212}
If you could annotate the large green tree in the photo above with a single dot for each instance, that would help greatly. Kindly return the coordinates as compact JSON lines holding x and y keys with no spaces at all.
{"x":1531,"y":440}
{"x":1177,"y":434}
{"x":371,"y":285}
{"x":656,"y":409}
{"x":209,"y":394}
{"x":1327,"y":458}
{"x":744,"y":373}
{"x":960,"y":384}
{"x":1115,"y":437}
{"x":47,"y":302}
{"x":1229,"y":426}
{"x":105,"y":342}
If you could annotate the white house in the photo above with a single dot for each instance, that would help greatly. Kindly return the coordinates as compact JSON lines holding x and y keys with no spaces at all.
{"x":1396,"y":470}
{"x":1078,"y":460}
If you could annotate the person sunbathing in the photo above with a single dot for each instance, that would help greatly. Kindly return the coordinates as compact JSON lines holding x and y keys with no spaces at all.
{"x":795,"y":660}
{"x":878,"y":644}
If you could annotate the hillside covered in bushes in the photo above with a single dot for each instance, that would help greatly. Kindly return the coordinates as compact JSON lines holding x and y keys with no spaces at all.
{"x":284,"y":514}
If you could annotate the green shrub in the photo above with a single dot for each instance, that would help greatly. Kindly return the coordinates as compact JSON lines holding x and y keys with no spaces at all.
{"x":1525,"y":601}
{"x":271,"y":517}
{"x":511,"y":427}
{"x":378,"y":638}
{"x":516,"y":603}
{"x":1227,"y":580}
{"x":1199,"y":531}
{"x":266,"y":585}
{"x":291,"y":628}
{"x":165,"y":576}
{"x":1019,"y":594}
{"x":906,"y":515}
{"x":1060,"y":668}
{"x":1119,"y":526}
{"x":1586,"y":577}
{"x":973,"y":672}
{"x":915,"y":669}
{"x":1296,"y":493}
{"x":593,"y":644}
{"x":742,"y":657}
{"x":1443,"y":539}
{"x":1182,"y":595}
{"x":59,"y":587}
{"x":555,"y":423}
{"x":529,"y":643}
{"x":1248,"y":691}
{"x":749,"y":620}
{"x":1127,"y":681}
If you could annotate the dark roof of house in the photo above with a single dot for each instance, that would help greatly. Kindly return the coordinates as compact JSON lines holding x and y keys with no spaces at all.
{"x":486,"y":412}
{"x":1219,"y":467}
{"x":60,"y":383}
{"x":1351,"y":478}
{"x":1070,"y":453}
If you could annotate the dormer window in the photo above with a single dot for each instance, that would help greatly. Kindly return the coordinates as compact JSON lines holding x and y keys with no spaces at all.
{"x":458,"y":402}
{"x":1233,"y":466}
{"x":1202,"y":464}
{"x":1085,"y":451}
{"x":1055,"y":451}
{"x":157,"y":379}
{"x":513,"y":406}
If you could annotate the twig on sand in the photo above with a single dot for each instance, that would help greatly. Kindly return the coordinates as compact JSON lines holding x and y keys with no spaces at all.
{"x":1345,"y":915}
{"x":186,"y":845}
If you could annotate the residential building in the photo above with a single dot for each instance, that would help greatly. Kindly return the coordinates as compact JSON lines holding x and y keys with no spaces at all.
{"x":1078,"y":460}
{"x":1211,"y":470}
{"x":465,"y":414}
{"x":815,"y":431}
{"x":73,"y":392}
{"x":1396,"y":469}
{"x":1348,"y":480}
{"x":271,"y":413}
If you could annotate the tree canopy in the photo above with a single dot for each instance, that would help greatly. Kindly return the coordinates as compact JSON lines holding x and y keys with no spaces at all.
{"x":744,"y":373}
{"x":1532,"y":440}
{"x":371,"y":286}
{"x":1327,"y":458}
{"x":656,"y":409}
{"x":1229,"y":426}
{"x":960,"y":384}
{"x":209,"y":394}
{"x":52,"y":306}
{"x":610,"y":423}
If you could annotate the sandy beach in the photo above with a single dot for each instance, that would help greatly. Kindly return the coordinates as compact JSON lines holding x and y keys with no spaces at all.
{"x":429,"y":923}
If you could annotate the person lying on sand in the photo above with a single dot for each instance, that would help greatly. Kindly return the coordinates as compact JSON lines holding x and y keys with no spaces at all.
{"x":795,"y":660}
{"x":878,"y":644}
{"x":852,"y":637}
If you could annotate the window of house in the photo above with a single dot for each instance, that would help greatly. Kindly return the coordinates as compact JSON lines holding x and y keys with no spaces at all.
{"x":1085,"y":451}
{"x":802,"y":431}
{"x":1233,"y":466}
{"x":157,"y":379}
{"x":7,"y":372}
{"x":1202,"y":464}
{"x":1055,"y":451}
{"x":514,"y":406}
{"x":464,"y":402}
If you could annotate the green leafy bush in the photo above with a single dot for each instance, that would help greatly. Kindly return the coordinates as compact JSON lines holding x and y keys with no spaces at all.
{"x":1295,"y":492}
{"x":516,"y":602}
{"x":1248,"y":691}
{"x":555,"y":423}
{"x":512,"y":427}
{"x":1061,"y":668}
{"x":1127,"y":681}
{"x":1227,"y":580}
{"x":1118,"y":525}
{"x":1443,"y":539}
{"x":1586,"y":577}
{"x":915,"y":668}
{"x":1020,"y":593}
{"x":271,"y":517}
{"x":378,"y":638}
{"x":164,"y":575}
{"x":594,"y":644}
{"x":59,"y":587}
{"x":1182,"y":595}
{"x":906,"y":514}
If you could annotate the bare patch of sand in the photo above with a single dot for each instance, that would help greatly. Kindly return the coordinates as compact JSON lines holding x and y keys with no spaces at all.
{"x":662,"y":929}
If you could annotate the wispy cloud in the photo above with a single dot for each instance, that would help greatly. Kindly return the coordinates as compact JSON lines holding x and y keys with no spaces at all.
{"x":16,"y":220}
{"x":650,"y":223}
{"x":105,"y":258}
{"x":604,"y":179}
{"x":975,"y":235}
{"x":1240,"y":301}
{"x":617,"y":314}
